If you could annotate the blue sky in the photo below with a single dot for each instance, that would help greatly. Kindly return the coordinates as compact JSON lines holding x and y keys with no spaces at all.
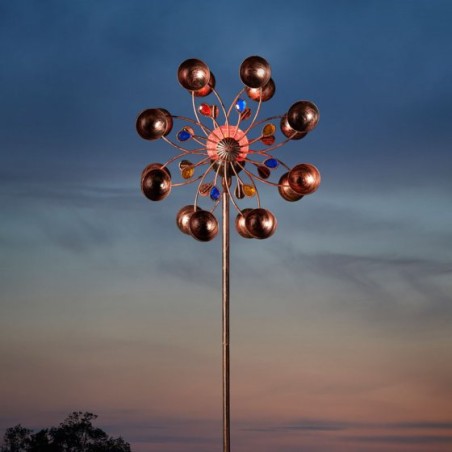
{"x":341,"y":321}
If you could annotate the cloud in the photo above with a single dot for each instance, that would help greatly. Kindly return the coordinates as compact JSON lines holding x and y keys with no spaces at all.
{"x":318,"y":424}
{"x":385,"y":288}
{"x":315,"y":425}
{"x":422,"y":425}
{"x":402,"y":439}
{"x":322,"y":425}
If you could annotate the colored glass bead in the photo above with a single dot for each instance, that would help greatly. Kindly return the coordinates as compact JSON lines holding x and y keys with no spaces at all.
{"x":188,"y":172}
{"x":249,"y":190}
{"x":268,"y":140}
{"x":271,"y":163}
{"x":214,"y":194}
{"x":208,"y":110}
{"x":183,"y":135}
{"x":269,"y":129}
{"x":205,"y":110}
{"x":246,"y":114}
{"x":239,"y":192}
{"x":184,"y":163}
{"x":204,"y":189}
{"x":263,"y":172}
{"x":240,"y":105}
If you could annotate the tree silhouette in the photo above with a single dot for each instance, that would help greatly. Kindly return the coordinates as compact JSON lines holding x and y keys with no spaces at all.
{"x":75,"y":434}
{"x":17,"y":439}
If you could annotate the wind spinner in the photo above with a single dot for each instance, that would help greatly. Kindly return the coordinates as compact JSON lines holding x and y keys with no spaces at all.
{"x":226,"y":159}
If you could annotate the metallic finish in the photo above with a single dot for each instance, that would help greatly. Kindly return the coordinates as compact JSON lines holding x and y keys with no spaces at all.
{"x":288,"y":131}
{"x":304,"y":178}
{"x":222,"y":153}
{"x":225,"y":323}
{"x":255,"y":72}
{"x":156,"y":184}
{"x":152,"y":166}
{"x":220,"y":134}
{"x":228,"y":149}
{"x":231,"y":168}
{"x":207,"y":89}
{"x":240,"y":225}
{"x":203,"y":225}
{"x":193,"y":74}
{"x":303,"y":116}
{"x":286,"y":191}
{"x":260,"y":223}
{"x":262,"y":95}
{"x":154,"y":123}
{"x":183,"y":218}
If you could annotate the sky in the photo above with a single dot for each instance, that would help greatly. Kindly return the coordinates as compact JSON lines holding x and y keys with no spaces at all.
{"x":341,"y":323}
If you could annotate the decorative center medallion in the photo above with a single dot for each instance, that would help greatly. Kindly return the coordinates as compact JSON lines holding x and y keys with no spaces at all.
{"x":228,"y":149}
{"x":227,"y":144}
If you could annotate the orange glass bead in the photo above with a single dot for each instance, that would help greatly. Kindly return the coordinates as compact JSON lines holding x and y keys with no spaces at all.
{"x":188,"y":172}
{"x":269,"y":129}
{"x":249,"y":190}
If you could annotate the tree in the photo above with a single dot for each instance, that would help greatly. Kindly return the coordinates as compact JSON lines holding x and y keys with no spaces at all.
{"x":17,"y":439}
{"x":75,"y":434}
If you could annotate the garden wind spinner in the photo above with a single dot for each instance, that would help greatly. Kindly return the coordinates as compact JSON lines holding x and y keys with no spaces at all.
{"x":226,"y":160}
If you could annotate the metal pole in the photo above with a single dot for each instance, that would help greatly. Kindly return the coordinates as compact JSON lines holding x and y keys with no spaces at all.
{"x":225,"y":318}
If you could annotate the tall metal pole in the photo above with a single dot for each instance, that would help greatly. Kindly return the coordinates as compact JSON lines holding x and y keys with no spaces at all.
{"x":225,"y":318}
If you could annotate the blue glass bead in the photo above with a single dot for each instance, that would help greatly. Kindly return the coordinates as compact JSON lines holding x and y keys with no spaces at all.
{"x":183,"y":135}
{"x":214,"y":194}
{"x":271,"y":163}
{"x":240,"y":105}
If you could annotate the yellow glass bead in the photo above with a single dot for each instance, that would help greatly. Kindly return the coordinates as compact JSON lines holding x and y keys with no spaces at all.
{"x":249,"y":190}
{"x":188,"y":172}
{"x":269,"y":129}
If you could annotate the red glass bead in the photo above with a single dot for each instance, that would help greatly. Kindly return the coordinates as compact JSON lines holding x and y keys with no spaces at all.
{"x":246,"y":114}
{"x":205,"y":110}
{"x":263,"y":171}
{"x":268,"y":140}
{"x":239,"y":194}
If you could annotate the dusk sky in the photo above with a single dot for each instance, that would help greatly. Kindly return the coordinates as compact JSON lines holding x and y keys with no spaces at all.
{"x":341,"y":322}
